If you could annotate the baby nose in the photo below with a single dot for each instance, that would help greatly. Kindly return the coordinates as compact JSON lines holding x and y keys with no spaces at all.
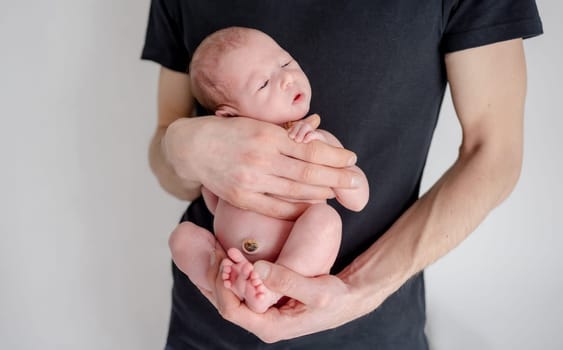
{"x":286,"y":80}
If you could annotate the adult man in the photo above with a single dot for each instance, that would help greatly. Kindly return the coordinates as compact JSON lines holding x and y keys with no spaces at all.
{"x":378,"y":70}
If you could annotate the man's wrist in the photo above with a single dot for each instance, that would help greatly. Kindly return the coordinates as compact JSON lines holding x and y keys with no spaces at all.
{"x":378,"y":273}
{"x":165,"y":172}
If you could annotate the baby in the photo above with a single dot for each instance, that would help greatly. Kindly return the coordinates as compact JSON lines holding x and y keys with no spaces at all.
{"x":244,"y":72}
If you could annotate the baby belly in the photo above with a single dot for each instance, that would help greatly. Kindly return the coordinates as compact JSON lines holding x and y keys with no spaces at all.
{"x":257,"y":236}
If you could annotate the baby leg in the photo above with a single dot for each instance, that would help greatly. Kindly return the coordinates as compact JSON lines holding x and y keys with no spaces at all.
{"x":310,"y":250}
{"x":313,"y":244}
{"x":192,"y":248}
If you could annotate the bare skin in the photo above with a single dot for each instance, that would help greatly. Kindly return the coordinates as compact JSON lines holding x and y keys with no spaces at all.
{"x":308,"y":245}
{"x":488,"y":89}
{"x":264,"y":80}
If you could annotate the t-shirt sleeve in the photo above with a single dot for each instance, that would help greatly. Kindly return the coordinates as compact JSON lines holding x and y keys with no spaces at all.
{"x":164,"y":37}
{"x":472,"y":23}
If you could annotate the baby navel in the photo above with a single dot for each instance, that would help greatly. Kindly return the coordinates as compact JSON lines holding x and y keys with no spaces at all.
{"x":250,"y":246}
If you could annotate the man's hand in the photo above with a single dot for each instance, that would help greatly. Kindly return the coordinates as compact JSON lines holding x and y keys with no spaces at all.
{"x":250,"y":163}
{"x":315,"y":304}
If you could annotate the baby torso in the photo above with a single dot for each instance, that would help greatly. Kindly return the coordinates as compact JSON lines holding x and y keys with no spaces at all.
{"x":257,"y":236}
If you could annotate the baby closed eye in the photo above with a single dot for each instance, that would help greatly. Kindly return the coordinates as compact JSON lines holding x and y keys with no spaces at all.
{"x":264,"y":85}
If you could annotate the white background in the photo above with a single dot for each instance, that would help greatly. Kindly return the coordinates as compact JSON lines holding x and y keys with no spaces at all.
{"x":84,"y":262}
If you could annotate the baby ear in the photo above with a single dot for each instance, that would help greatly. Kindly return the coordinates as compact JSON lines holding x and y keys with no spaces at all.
{"x":225,"y":112}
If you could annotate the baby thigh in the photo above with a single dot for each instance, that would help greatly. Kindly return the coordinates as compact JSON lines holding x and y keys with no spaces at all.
{"x":192,"y":247}
{"x":313,"y":243}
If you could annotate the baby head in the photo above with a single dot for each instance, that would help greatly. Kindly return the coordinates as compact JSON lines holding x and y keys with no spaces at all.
{"x":243,"y":72}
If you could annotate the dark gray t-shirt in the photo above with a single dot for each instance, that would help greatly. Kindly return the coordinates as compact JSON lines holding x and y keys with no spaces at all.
{"x":378,"y":78}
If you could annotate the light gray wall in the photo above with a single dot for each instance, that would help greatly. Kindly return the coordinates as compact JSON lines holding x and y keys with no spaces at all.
{"x":501,"y":289}
{"x":84,"y":262}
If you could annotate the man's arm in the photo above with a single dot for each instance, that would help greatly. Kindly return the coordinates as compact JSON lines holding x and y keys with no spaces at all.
{"x":174,"y":102}
{"x":488,"y":86}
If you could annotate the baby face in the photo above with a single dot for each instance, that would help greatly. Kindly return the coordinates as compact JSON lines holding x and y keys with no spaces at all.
{"x":265,"y":82}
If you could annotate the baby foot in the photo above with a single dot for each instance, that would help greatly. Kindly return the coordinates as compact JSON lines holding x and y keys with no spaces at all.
{"x":240,"y":277}
{"x":236,"y":272}
{"x":259,"y":298}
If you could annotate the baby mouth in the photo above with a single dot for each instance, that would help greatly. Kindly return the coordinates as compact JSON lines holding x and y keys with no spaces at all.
{"x":297,"y":98}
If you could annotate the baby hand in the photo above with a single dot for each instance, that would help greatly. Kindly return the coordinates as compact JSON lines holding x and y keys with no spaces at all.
{"x":303,"y":132}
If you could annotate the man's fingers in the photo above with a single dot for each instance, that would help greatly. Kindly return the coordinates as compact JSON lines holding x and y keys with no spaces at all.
{"x":284,"y":281}
{"x":293,"y":190}
{"x":318,"y":152}
{"x":271,"y":206}
{"x":314,"y":174}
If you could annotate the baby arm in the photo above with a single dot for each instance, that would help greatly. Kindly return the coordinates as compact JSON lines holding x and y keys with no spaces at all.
{"x":354,"y":199}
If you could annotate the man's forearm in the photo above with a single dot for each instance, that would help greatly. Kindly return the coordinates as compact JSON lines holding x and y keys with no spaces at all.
{"x":479,"y":180}
{"x":166,"y":176}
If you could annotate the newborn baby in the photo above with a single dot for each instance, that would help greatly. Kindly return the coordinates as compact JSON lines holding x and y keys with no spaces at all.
{"x":243,"y":72}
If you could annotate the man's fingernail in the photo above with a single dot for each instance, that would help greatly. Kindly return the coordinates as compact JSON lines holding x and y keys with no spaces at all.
{"x":262,"y":269}
{"x":212,"y":259}
{"x":355,"y":181}
{"x":353,"y":160}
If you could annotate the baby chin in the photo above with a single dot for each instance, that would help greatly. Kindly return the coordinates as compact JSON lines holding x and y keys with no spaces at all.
{"x":300,"y":104}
